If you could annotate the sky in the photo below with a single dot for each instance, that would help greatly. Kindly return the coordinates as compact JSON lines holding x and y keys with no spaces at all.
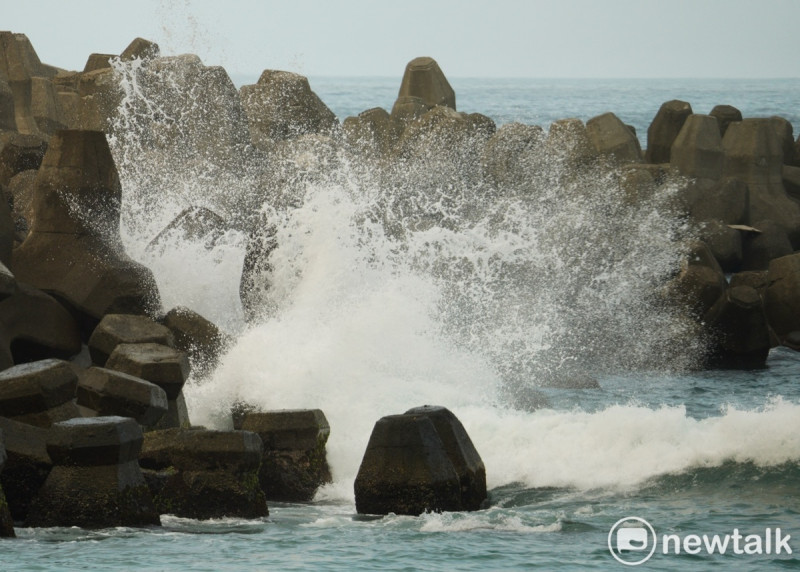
{"x":468,"y":38}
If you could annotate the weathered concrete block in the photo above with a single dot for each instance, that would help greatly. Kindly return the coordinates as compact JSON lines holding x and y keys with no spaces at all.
{"x":611,"y":137}
{"x":116,"y":329}
{"x":758,"y":248}
{"x":781,"y":301}
{"x":27,"y":466}
{"x":372,"y":133}
{"x":754,"y":153}
{"x":108,"y":392}
{"x":664,"y":129}
{"x":785,"y":132}
{"x":791,"y":181}
{"x":423,"y":78}
{"x":96,"y":481}
{"x":727,"y":200}
{"x":725,"y":244}
{"x":73,"y":248}
{"x":407,"y":109}
{"x":164,"y":366}
{"x":6,"y":521}
{"x":200,"y":338}
{"x":34,"y":326}
{"x":97,"y":62}
{"x":725,"y":114}
{"x":39,"y":393}
{"x":293,"y":466}
{"x":18,"y":153}
{"x":569,"y":138}
{"x":197,"y":473}
{"x":697,"y":150}
{"x":462,"y":453}
{"x":406,"y":469}
{"x":511,"y":152}
{"x":141,"y":49}
{"x":8,"y":121}
{"x":700,"y":282}
{"x":282,"y":106}
{"x":740,"y":333}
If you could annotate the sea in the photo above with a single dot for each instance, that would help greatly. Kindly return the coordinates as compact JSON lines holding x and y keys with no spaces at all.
{"x":492,"y":310}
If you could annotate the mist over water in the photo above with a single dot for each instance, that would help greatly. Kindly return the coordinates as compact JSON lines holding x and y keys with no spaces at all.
{"x":424,"y":279}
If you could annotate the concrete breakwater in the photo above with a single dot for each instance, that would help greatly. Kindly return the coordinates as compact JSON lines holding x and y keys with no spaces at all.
{"x":85,"y":334}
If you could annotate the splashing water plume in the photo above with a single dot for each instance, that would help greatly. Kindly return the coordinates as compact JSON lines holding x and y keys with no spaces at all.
{"x":417,"y":278}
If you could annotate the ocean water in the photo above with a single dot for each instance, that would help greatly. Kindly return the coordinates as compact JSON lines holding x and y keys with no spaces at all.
{"x":421,"y":287}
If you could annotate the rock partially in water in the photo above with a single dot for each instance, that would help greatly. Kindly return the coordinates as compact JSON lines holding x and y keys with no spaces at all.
{"x":6,"y":520}
{"x":294,"y":465}
{"x":96,"y":481}
{"x":409,"y":468}
{"x":198,"y":473}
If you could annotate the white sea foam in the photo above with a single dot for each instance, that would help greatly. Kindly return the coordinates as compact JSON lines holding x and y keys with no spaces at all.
{"x":417,"y":285}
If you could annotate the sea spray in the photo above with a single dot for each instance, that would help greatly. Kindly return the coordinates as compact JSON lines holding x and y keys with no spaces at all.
{"x":404,"y":279}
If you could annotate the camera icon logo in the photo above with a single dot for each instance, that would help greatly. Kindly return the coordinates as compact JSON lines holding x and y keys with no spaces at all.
{"x":632,"y":541}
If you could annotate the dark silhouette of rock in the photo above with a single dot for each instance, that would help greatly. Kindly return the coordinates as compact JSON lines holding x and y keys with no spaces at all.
{"x":664,"y":129}
{"x":462,"y":453}
{"x":740,"y":333}
{"x":725,"y":244}
{"x":758,"y":248}
{"x":293,"y":466}
{"x":105,"y":392}
{"x":39,"y":393}
{"x":781,"y":300}
{"x":612,"y":138}
{"x":197,"y":473}
{"x":116,"y":329}
{"x":791,"y":181}
{"x":756,"y":279}
{"x":6,"y":521}
{"x":423,"y":78}
{"x":697,"y":149}
{"x":27,"y":466}
{"x":725,"y":114}
{"x":34,"y":326}
{"x":96,"y":481}
{"x":406,"y":470}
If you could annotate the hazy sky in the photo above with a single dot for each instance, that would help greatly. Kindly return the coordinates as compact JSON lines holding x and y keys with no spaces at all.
{"x":499,"y":38}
